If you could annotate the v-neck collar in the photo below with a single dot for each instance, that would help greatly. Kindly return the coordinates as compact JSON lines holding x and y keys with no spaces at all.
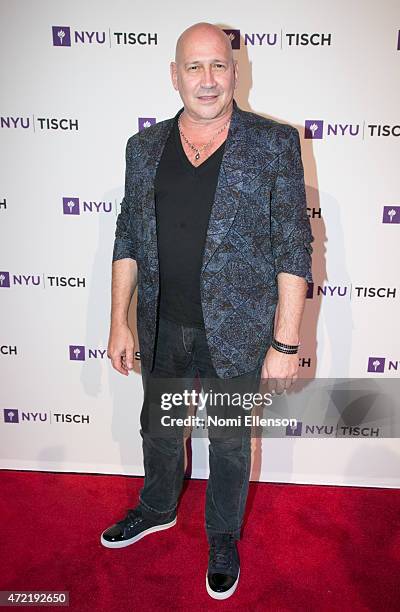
{"x":184,"y":158}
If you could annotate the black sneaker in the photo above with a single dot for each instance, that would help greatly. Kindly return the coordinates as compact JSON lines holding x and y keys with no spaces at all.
{"x":131,"y":529}
{"x":223,"y":570}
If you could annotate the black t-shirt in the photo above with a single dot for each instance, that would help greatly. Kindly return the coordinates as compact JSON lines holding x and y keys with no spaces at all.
{"x":183,"y":195}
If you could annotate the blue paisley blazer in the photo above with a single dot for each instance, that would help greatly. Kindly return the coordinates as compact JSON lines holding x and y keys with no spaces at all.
{"x":258,"y":228}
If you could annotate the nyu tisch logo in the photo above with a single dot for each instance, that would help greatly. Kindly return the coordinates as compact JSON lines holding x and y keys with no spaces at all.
{"x":77,"y":352}
{"x":71,"y":206}
{"x":145,"y":122}
{"x":4,"y":279}
{"x":314,"y":128}
{"x":11,"y":415}
{"x":310,"y":291}
{"x":391,"y":214}
{"x":376,"y":364}
{"x":379,"y":365}
{"x":61,"y":36}
{"x":234,"y":37}
{"x":294,"y":430}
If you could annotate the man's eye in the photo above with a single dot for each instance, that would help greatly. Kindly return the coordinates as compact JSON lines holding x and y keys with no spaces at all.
{"x":193,"y":67}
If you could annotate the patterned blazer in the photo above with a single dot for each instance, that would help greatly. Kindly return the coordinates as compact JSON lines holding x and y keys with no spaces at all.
{"x":258,"y":227}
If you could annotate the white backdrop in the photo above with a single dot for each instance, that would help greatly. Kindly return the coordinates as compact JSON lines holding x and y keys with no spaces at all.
{"x":68,"y":106}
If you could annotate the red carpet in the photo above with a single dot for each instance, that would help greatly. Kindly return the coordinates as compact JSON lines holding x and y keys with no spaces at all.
{"x":304,"y":547}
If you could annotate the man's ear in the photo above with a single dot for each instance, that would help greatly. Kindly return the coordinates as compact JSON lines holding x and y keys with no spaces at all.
{"x":236,"y":71}
{"x":174,"y":74}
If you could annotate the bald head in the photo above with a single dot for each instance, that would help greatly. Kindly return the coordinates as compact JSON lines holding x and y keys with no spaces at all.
{"x":204,"y":72}
{"x":202,"y":33}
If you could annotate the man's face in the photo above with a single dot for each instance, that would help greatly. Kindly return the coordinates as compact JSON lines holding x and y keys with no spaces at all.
{"x":205,"y":75}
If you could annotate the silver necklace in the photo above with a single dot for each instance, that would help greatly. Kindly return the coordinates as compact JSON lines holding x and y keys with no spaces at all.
{"x":204,"y":147}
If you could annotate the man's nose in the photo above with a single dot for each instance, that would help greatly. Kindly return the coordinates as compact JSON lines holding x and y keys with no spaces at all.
{"x":208,"y":79}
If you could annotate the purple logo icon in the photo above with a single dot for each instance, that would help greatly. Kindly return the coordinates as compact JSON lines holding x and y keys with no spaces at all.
{"x":376,"y":364}
{"x":314,"y":128}
{"x":398,"y":42}
{"x":11,"y":415}
{"x":145,"y":122}
{"x":310,"y":291}
{"x":61,"y":36}
{"x":71,"y":206}
{"x":391,"y":214}
{"x":77,"y":352}
{"x":4,"y":279}
{"x":294,"y":430}
{"x":234,"y":37}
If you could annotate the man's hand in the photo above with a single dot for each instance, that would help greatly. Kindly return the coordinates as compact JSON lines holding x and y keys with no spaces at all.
{"x":120,"y":348}
{"x":280,"y":370}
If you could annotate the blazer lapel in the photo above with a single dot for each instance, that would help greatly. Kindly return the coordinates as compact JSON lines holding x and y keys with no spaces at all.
{"x":153,"y":155}
{"x":228,"y":191}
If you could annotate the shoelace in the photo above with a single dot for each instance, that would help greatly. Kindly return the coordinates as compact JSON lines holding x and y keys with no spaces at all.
{"x":133,"y":516}
{"x":221,"y":551}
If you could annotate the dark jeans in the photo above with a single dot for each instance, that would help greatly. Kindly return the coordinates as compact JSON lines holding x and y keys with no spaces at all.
{"x":181,"y":354}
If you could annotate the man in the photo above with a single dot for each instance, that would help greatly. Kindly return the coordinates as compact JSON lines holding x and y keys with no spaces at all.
{"x":214,"y":231}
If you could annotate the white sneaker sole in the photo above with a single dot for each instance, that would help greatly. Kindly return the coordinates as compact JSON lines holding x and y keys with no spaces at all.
{"x":138,"y":537}
{"x":224,"y":595}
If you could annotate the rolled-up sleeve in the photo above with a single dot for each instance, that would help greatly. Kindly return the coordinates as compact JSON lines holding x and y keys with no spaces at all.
{"x":291,"y":235}
{"x":125,"y":232}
